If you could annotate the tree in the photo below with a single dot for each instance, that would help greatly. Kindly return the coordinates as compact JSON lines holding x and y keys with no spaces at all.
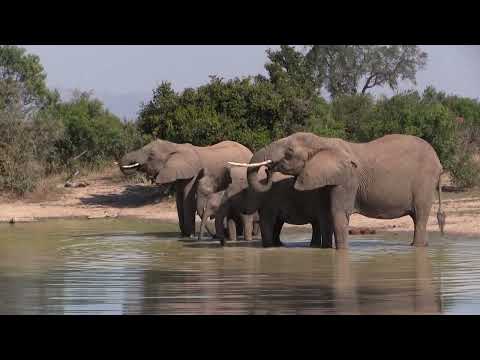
{"x":346,"y":69}
{"x":22,"y":77}
{"x":289,"y":67}
{"x":352,"y":69}
{"x":155,"y":117}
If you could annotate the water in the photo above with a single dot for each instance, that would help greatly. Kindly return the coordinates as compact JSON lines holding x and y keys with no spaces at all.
{"x":142,"y":267}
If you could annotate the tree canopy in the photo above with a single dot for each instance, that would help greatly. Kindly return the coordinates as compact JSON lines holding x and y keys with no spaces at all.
{"x":22,"y":78}
{"x":346,"y":69}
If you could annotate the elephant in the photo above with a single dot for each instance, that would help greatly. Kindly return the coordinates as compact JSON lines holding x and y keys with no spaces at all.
{"x":226,"y":204}
{"x":281,"y":204}
{"x":387,"y":178}
{"x":182,"y":165}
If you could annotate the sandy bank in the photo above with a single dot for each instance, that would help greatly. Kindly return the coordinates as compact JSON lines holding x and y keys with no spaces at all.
{"x":105,"y":197}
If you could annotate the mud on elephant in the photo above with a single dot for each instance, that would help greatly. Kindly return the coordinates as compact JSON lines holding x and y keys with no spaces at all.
{"x":181,"y":165}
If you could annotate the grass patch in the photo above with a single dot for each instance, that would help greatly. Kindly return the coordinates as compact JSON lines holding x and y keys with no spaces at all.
{"x":50,"y":188}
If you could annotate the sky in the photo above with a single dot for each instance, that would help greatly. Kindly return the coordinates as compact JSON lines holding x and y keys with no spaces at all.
{"x":123,"y":76}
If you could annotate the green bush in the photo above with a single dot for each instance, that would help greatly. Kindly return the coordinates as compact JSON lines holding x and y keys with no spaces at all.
{"x":412,"y":114}
{"x":465,"y":172}
{"x":90,"y":128}
{"x":252,"y":111}
{"x":354,"y":112}
{"x":44,"y":142}
{"x":20,"y":170}
{"x":256,"y":111}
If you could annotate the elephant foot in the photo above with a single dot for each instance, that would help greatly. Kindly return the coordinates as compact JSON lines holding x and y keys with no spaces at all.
{"x":271,"y":245}
{"x":315,"y":245}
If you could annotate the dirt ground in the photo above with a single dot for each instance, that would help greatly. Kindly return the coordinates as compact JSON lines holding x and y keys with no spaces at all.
{"x":107,"y":195}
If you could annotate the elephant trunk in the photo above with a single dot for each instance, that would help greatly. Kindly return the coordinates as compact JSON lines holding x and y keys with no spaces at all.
{"x":252,"y":173}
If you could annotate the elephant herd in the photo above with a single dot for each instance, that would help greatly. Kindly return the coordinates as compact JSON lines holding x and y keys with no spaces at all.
{"x":300,"y":179}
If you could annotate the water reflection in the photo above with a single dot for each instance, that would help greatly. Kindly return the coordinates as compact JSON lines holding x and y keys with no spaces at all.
{"x":346,"y":294}
{"x":131,"y":267}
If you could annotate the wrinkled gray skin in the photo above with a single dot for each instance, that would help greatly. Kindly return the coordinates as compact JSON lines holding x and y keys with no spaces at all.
{"x":227,"y":204}
{"x":387,"y":178}
{"x":182,"y":165}
{"x":281,"y":204}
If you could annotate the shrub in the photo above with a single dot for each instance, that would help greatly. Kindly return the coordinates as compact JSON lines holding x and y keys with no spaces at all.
{"x":465,"y":171}
{"x":19,"y":169}
{"x":354,"y":112}
{"x":43,"y":143}
{"x":90,"y":128}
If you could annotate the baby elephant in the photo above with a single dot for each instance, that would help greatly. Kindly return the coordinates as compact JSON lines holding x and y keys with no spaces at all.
{"x":224,"y":204}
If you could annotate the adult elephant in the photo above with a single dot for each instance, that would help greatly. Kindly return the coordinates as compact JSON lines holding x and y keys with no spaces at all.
{"x":387,"y":178}
{"x":167,"y":163}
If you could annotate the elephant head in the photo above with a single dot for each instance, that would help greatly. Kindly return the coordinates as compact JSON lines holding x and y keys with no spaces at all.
{"x":313,"y":160}
{"x":162,"y":161}
{"x":207,"y":185}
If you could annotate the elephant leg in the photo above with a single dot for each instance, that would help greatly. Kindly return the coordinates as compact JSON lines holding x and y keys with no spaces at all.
{"x":277,"y":229}
{"x":247,"y":221}
{"x":189,"y":219}
{"x":340,"y":206}
{"x":326,"y":230}
{"x":266,"y":229}
{"x":179,"y":201}
{"x":316,"y":236}
{"x":256,"y":228}
{"x":232,"y":229}
{"x":422,"y":208}
{"x":220,"y":228}
{"x":239,"y":225}
{"x":189,"y":209}
{"x":327,"y":237}
{"x":340,"y":229}
{"x":420,"y":235}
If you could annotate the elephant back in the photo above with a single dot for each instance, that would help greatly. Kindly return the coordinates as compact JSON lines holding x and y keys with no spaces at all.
{"x":214,"y":159}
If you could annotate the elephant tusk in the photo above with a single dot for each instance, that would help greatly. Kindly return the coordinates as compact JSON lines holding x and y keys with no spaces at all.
{"x":253,"y":165}
{"x":130,"y":166}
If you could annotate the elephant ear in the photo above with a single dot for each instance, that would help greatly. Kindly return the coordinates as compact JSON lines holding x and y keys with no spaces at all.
{"x":178,"y":167}
{"x":327,"y":167}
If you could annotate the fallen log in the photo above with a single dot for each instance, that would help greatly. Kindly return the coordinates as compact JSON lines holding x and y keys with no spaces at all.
{"x":76,"y":184}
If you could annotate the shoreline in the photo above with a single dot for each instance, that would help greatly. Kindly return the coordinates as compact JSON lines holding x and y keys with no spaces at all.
{"x":107,"y":197}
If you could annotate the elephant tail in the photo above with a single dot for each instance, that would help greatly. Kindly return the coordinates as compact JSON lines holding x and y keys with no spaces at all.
{"x":441,"y":216}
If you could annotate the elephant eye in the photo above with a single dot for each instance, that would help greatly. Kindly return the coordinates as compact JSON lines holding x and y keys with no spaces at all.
{"x":151,"y":155}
